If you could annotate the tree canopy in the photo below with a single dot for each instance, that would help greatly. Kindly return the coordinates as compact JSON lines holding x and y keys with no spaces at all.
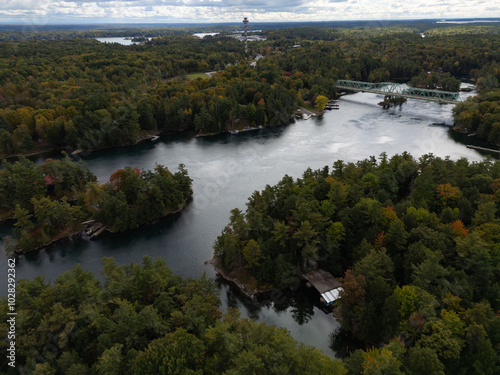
{"x":54,"y":199}
{"x":144,"y":320}
{"x":414,"y":243}
{"x":82,"y":94}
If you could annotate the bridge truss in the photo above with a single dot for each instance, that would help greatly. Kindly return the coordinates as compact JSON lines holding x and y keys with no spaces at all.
{"x":398,"y":90}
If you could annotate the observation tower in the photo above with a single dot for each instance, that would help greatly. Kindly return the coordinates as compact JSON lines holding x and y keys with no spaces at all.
{"x":245,"y":21}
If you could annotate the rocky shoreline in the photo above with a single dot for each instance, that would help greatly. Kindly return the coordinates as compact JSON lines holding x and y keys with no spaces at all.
{"x":54,"y":240}
{"x":83,"y":230}
{"x":140,"y":139}
{"x":250,"y":292}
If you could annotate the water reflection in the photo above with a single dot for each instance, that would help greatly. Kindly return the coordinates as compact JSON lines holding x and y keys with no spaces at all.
{"x":297,"y":311}
{"x":235,"y":298}
{"x":301,"y":302}
{"x":342,"y":342}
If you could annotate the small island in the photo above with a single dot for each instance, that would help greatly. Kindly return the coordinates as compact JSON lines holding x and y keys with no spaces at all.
{"x":59,"y":198}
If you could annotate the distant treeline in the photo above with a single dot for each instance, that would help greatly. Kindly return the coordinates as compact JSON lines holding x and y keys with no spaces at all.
{"x":82,"y":94}
{"x":34,"y":31}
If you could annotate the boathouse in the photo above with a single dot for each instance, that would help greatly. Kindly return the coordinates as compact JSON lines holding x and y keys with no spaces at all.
{"x":327,"y":285}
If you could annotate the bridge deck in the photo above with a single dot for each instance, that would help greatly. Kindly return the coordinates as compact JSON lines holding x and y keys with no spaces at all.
{"x":394,"y":89}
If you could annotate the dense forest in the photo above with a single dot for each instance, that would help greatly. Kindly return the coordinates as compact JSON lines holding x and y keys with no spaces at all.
{"x":480,"y":115}
{"x":82,"y":94}
{"x":416,"y":244}
{"x":52,"y":200}
{"x":145,"y":320}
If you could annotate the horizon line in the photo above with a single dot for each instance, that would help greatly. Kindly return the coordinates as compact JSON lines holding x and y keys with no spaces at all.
{"x":444,"y":19}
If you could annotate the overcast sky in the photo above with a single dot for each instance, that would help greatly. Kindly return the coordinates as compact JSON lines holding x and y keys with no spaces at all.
{"x":218,"y":11}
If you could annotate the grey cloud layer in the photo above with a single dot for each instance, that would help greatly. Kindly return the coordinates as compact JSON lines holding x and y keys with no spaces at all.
{"x":241,"y":4}
{"x":231,"y":10}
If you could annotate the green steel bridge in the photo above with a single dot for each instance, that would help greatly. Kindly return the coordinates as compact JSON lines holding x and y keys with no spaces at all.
{"x":389,"y":89}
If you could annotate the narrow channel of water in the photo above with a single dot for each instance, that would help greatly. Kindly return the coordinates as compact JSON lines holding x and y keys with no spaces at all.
{"x":120,"y":40}
{"x":226,"y":169}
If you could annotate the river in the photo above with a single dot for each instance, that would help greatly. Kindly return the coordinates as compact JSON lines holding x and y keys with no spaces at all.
{"x":226,"y":169}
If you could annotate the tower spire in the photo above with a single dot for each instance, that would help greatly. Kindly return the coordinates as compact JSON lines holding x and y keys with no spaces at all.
{"x":245,"y":21}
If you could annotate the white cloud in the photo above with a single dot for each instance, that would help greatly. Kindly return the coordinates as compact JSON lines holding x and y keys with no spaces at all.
{"x":60,"y":11}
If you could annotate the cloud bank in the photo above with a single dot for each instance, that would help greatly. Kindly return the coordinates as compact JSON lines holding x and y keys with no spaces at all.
{"x":215,"y":11}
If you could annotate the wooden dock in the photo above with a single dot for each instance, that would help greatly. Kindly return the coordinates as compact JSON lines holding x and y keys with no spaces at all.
{"x":306,"y":112}
{"x":327,"y":285}
{"x":483,"y":149}
{"x":98,"y":232}
{"x":95,"y":229}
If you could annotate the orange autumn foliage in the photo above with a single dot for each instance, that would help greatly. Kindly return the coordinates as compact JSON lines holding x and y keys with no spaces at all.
{"x":447,"y":193}
{"x":459,"y":228}
{"x":117,"y":178}
{"x":389,"y":213}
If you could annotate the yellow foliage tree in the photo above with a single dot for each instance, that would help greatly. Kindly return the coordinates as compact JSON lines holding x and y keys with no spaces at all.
{"x":321,"y":102}
{"x":447,"y":193}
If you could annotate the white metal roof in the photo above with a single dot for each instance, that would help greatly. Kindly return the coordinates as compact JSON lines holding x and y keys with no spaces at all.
{"x":331,"y":295}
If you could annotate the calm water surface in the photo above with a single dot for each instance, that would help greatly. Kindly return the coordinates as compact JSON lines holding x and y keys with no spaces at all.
{"x":226,"y":170}
{"x":202,"y":35}
{"x":119,"y":40}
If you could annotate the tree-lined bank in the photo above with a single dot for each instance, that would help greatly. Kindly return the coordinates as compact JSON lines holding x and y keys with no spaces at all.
{"x":115,"y":99}
{"x":54,"y":200}
{"x":416,"y":244}
{"x":145,"y":320}
{"x":82,"y":94}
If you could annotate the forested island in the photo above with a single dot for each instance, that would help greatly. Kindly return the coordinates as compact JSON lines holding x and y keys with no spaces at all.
{"x":54,"y":200}
{"x":81,"y":94}
{"x":415,"y":244}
